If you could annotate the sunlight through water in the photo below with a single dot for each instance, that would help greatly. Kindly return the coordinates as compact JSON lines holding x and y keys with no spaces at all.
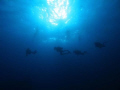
{"x":58,"y":10}
{"x":53,"y":12}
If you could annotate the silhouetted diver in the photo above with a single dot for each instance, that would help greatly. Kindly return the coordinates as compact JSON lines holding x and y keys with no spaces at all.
{"x":78,"y":52}
{"x":28,"y":51}
{"x":61,"y":51}
{"x":99,"y":45}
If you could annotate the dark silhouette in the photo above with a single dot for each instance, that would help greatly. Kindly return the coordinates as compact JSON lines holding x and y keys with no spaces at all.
{"x":28,"y":51}
{"x":61,"y":51}
{"x":78,"y":52}
{"x":99,"y":45}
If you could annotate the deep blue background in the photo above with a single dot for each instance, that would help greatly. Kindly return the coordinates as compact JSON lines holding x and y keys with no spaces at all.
{"x":48,"y":70}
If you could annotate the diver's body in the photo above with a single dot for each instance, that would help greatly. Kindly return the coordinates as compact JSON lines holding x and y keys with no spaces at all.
{"x":99,"y":45}
{"x":61,"y":51}
{"x":28,"y":51}
{"x":78,"y":52}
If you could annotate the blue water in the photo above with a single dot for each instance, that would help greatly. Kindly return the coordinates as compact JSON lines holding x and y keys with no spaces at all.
{"x":40,"y":26}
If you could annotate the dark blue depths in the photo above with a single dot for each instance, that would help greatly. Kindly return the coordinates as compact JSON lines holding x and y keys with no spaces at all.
{"x":93,"y":28}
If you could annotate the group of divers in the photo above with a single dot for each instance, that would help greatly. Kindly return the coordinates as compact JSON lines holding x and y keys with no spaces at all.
{"x":63,"y":52}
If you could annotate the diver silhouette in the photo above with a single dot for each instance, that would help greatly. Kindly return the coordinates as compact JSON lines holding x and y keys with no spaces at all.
{"x":28,"y":51}
{"x":99,"y":45}
{"x":61,"y":51}
{"x":78,"y":52}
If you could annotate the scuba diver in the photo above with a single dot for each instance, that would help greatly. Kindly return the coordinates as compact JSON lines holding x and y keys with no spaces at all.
{"x":78,"y":52}
{"x":99,"y":45}
{"x":28,"y":51}
{"x":61,"y":51}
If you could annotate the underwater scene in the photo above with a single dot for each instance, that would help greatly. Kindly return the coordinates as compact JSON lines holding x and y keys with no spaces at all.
{"x":59,"y":44}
